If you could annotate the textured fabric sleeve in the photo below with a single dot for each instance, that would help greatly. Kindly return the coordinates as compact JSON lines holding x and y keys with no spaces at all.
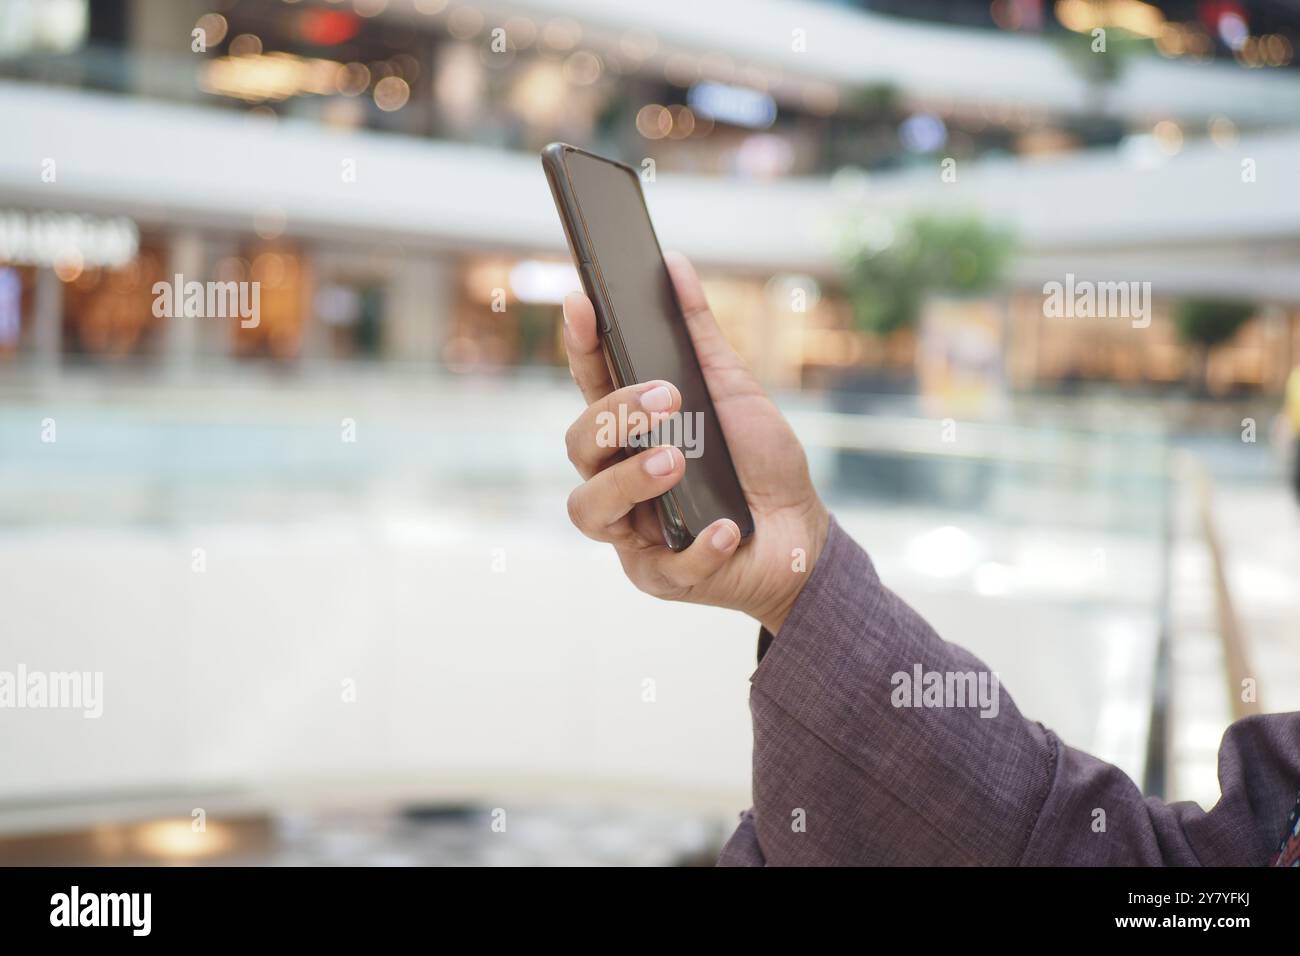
{"x":845,"y":772}
{"x":1259,"y":774}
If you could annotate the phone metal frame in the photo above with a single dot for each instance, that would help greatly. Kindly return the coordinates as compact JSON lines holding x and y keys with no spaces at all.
{"x":676,"y":534}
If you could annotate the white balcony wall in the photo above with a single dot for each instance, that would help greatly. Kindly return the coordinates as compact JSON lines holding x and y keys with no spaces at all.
{"x":167,"y":164}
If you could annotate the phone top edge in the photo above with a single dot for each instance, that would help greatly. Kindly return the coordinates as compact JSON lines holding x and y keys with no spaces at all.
{"x":554,"y":151}
{"x":557,"y":150}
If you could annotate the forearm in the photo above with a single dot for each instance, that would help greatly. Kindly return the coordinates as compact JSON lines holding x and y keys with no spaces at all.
{"x":849,"y":770}
{"x":842,"y":775}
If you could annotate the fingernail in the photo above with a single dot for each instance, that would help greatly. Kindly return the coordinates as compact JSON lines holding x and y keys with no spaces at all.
{"x":661,"y":463}
{"x":657,"y":399}
{"x":724,"y":537}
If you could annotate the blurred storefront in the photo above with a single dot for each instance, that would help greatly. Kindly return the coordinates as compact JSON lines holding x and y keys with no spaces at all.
{"x":323,"y":301}
{"x":81,"y":289}
{"x":432,"y":94}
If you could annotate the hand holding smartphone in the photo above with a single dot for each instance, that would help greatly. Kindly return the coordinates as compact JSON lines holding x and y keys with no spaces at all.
{"x":643,"y":331}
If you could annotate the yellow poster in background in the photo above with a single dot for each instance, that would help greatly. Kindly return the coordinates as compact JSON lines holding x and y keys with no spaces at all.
{"x":959,"y":356}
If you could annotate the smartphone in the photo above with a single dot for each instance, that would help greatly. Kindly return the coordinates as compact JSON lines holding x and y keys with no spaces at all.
{"x":643,"y":330}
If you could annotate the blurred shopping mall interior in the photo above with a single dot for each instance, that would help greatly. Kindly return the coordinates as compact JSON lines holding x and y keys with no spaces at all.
{"x":322,"y":559}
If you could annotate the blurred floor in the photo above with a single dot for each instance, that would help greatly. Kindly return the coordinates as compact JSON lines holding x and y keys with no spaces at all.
{"x":574,"y":834}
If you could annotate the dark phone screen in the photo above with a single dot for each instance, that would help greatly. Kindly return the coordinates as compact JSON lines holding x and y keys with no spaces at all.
{"x":656,"y":341}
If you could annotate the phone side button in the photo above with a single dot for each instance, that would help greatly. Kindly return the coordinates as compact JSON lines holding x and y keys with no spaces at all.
{"x":593,"y":290}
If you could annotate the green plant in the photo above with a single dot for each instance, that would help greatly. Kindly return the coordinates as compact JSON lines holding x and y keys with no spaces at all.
{"x":1210,"y":322}
{"x":873,"y":99}
{"x":1102,"y":60}
{"x":1206,"y":322}
{"x":887,"y":286}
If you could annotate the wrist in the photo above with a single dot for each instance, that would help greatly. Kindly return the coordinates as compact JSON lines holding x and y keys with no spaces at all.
{"x":816,"y":526}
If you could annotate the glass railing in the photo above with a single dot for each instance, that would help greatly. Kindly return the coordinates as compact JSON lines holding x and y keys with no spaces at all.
{"x":338,"y":511}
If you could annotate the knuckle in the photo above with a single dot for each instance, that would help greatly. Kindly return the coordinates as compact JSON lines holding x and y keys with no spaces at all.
{"x":625,"y":482}
{"x":640,"y":573}
{"x":651,"y":584}
{"x":608,"y":404}
{"x":577,"y":508}
{"x":573,"y":445}
{"x":672,"y":583}
{"x":605,"y":418}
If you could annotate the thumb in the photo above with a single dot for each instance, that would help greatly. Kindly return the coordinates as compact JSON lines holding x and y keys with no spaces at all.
{"x":714,"y":351}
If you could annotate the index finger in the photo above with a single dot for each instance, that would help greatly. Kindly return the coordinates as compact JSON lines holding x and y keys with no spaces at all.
{"x":582,"y":342}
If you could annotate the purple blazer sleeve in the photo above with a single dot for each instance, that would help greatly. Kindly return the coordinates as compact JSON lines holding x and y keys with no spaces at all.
{"x":842,"y":776}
